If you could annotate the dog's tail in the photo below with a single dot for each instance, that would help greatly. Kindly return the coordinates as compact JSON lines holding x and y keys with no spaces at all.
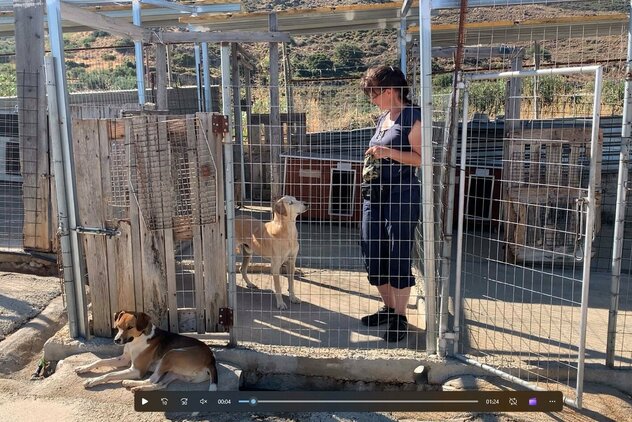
{"x":212,"y":373}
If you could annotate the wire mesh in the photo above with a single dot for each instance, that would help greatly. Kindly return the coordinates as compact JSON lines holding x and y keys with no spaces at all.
{"x":320,"y":146}
{"x":174,"y":176}
{"x":11,"y":202}
{"x":550,"y":172}
{"x":523,"y":237}
{"x":622,"y":343}
{"x":101,"y":76}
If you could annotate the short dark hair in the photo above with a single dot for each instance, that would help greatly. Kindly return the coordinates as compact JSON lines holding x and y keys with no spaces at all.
{"x":385,"y":77}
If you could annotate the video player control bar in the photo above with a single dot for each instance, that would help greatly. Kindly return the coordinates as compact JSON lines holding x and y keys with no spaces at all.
{"x":348,"y":401}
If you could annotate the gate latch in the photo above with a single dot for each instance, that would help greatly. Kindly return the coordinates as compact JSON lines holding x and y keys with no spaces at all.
{"x":226,"y":318}
{"x":98,"y":231}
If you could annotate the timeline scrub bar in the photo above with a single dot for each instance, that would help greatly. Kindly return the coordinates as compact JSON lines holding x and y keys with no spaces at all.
{"x":348,"y":401}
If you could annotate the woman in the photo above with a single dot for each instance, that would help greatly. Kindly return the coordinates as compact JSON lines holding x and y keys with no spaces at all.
{"x":391,"y":194}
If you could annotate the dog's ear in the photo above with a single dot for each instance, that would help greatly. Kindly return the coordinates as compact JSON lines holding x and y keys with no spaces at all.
{"x":118,"y":315}
{"x":279,"y":207}
{"x":142,"y":321}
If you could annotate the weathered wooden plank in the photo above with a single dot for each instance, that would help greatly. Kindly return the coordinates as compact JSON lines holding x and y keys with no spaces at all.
{"x":106,"y":199}
{"x":214,"y":37}
{"x":196,"y":209}
{"x":213,"y":234}
{"x":167,"y":186}
{"x":172,"y":300}
{"x":123,"y":253}
{"x":161,"y":77}
{"x":135,"y":222}
{"x":152,"y":242}
{"x":119,"y":249}
{"x":104,"y":23}
{"x":275,"y":116}
{"x":90,"y":214}
{"x":38,"y":227}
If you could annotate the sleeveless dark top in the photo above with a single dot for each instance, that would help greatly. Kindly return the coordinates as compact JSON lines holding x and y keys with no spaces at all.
{"x":396,"y":137}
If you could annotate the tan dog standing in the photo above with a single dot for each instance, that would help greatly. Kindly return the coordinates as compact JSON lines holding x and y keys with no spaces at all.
{"x":148,"y":348}
{"x":276,"y":240}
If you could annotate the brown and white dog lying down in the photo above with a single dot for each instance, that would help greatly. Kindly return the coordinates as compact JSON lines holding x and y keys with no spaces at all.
{"x":276,"y":240}
{"x":170,"y":356}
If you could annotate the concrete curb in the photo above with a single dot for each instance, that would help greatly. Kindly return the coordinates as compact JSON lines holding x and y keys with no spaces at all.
{"x":363,"y":368}
{"x":18,"y":348}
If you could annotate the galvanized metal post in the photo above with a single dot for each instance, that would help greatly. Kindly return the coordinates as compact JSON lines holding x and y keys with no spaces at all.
{"x":198,"y":76}
{"x":427,"y":194}
{"x":229,"y":189}
{"x":590,"y":229}
{"x":452,"y":127}
{"x":57,"y":50}
{"x":446,"y":189}
{"x":60,"y":187}
{"x":619,"y":219}
{"x":206,"y":71}
{"x":138,"y":52}
{"x":401,"y":37}
{"x":459,"y":236}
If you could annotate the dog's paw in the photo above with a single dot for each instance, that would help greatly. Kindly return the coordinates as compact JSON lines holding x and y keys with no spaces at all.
{"x":252,"y":286}
{"x":281,"y":306}
{"x":90,"y":383}
{"x":127,"y":383}
{"x":294,"y":299}
{"x":82,"y":369}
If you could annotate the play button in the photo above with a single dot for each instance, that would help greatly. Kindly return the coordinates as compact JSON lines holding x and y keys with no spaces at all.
{"x":144,"y":401}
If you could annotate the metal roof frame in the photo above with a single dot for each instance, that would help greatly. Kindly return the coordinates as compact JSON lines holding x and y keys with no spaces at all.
{"x":155,"y":13}
{"x":388,"y":16}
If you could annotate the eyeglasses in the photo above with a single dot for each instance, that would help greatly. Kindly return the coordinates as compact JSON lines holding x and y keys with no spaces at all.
{"x":373,"y":93}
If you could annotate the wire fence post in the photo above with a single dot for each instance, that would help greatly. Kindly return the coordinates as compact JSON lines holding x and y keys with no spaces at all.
{"x":138,"y":50}
{"x":229,"y":189}
{"x":619,"y":221}
{"x":427,"y":193}
{"x":58,"y":168}
{"x":57,"y":49}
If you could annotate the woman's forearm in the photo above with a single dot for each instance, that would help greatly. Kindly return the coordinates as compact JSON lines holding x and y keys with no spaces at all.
{"x":405,"y":157}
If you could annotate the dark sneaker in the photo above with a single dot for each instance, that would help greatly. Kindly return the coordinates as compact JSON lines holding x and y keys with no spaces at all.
{"x":382,"y":316}
{"x":397,"y":330}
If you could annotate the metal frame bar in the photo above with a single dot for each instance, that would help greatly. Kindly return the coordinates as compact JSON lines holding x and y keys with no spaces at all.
{"x":206,"y":72}
{"x":425,"y":53}
{"x":590,"y":216}
{"x":138,"y":52}
{"x":198,"y":76}
{"x":229,"y":186}
{"x":455,"y":4}
{"x":69,"y":194}
{"x":401,"y":38}
{"x":60,"y":187}
{"x":619,"y":220}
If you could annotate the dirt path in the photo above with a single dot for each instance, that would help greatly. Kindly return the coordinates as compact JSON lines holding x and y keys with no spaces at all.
{"x":62,"y":398}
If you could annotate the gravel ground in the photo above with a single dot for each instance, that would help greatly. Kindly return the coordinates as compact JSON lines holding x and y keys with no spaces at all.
{"x":22,"y":297}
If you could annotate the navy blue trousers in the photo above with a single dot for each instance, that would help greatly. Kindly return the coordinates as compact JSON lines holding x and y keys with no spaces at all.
{"x":389,"y":218}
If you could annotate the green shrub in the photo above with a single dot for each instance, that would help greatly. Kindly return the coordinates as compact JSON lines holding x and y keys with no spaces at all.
{"x":348,"y":58}
{"x":123,"y":45}
{"x":488,"y":97}
{"x":97,"y":34}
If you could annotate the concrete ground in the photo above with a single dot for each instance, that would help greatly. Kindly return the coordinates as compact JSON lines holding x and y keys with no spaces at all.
{"x":509,"y":323}
{"x":22,"y":297}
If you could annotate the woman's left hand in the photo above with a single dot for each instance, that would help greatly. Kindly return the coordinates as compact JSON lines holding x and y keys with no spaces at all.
{"x":379,"y":151}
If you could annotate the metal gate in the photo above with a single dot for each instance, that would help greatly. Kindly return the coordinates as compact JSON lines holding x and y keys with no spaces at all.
{"x":528,"y":210}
